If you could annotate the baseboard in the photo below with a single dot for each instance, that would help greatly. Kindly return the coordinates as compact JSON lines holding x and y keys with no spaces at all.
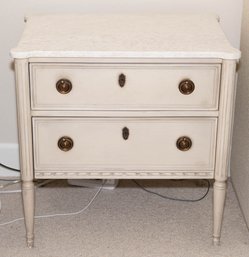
{"x":9,"y":156}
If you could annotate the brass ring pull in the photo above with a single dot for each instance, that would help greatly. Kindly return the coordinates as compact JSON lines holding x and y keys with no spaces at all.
{"x":187,"y":87}
{"x":64,"y":86}
{"x":121,"y":80}
{"x":184,"y":143}
{"x":65,"y":144}
{"x":125,"y":133}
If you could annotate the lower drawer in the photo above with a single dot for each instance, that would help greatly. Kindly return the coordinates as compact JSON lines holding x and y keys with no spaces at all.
{"x":121,"y":145}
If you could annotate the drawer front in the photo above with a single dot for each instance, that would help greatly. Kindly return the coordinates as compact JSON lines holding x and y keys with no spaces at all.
{"x":129,"y":144}
{"x":124,"y":87}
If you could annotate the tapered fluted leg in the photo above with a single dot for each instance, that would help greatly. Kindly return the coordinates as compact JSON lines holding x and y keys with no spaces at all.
{"x":28,"y":195}
{"x":219,"y":202}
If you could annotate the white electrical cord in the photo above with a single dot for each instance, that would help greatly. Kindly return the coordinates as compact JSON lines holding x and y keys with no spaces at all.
{"x":45,"y":182}
{"x":59,"y":214}
{"x":10,"y":183}
{"x":71,"y":213}
{"x":10,"y":222}
{"x":10,"y":191}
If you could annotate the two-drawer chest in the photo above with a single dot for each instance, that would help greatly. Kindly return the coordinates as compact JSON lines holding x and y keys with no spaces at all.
{"x":124,"y":96}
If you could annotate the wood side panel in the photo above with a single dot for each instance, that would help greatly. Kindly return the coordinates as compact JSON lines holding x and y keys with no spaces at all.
{"x":225,"y":121}
{"x":24,"y":119}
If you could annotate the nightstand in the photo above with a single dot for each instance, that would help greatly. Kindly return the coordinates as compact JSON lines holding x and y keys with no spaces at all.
{"x":124,"y":97}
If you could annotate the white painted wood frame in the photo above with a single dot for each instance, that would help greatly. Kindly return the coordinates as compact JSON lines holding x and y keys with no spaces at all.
{"x":147,"y":123}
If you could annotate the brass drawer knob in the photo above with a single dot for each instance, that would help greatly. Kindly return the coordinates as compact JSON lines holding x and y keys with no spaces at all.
{"x":184,"y":143}
{"x":64,"y":86}
{"x":121,"y":80}
{"x":187,"y":87}
{"x":65,"y":143}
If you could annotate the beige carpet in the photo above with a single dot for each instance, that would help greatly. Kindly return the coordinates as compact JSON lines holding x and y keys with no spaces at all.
{"x":125,"y":222}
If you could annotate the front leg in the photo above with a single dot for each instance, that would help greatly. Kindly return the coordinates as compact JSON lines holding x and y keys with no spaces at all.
{"x":219,"y":202}
{"x":28,"y":195}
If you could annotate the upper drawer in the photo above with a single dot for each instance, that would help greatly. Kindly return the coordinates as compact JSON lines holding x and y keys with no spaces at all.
{"x":124,"y":86}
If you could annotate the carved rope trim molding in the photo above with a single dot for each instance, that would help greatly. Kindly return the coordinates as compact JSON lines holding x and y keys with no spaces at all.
{"x":205,"y":174}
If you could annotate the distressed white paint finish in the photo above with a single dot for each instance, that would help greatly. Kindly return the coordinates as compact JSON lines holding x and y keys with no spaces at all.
{"x":24,"y":119}
{"x":100,"y":135}
{"x":125,"y":175}
{"x":99,"y":144}
{"x":28,"y":195}
{"x":225,"y":122}
{"x":25,"y":145}
{"x":12,"y":24}
{"x":124,"y":36}
{"x":224,"y":143}
{"x":96,"y":87}
{"x":127,"y":113}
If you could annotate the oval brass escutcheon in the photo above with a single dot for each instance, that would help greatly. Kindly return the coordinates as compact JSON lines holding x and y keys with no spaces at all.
{"x":121,"y":80}
{"x":187,"y":87}
{"x":125,"y":133}
{"x":64,"y":86}
{"x":184,"y":143}
{"x":65,"y":143}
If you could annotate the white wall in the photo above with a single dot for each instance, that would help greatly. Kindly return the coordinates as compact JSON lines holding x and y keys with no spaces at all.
{"x":11,"y":26}
{"x":240,"y":150}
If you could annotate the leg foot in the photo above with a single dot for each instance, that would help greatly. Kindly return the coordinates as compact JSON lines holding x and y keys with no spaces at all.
{"x":216,"y":241}
{"x":219,"y":202}
{"x":28,"y":196}
{"x":30,"y":243}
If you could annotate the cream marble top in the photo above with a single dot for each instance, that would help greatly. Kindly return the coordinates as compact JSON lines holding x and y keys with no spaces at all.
{"x":138,"y":36}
